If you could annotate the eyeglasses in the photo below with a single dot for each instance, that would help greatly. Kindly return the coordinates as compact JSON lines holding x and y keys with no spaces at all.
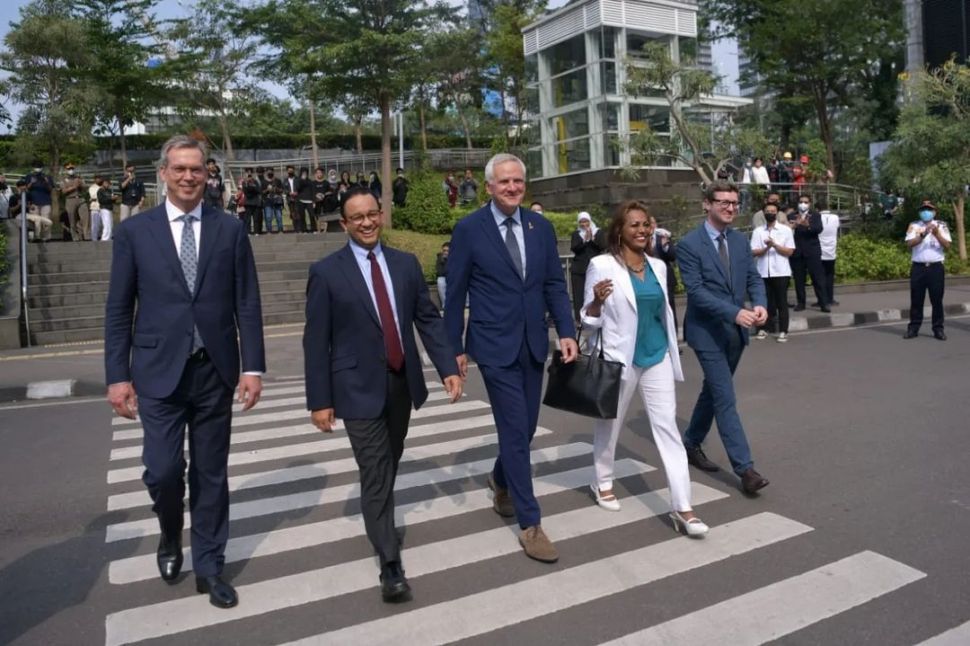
{"x":724,"y":204}
{"x":195,"y":171}
{"x":358,"y":218}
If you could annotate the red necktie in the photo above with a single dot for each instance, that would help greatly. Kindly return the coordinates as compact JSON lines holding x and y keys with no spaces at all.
{"x":392,"y":341}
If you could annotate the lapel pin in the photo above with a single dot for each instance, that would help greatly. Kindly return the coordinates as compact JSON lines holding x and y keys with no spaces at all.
{"x":530,"y":226}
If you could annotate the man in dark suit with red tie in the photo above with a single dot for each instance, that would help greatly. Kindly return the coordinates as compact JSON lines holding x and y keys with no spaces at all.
{"x":183,"y":286}
{"x":362,"y":363}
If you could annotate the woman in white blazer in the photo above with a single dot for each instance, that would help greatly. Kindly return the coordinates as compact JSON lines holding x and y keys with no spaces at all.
{"x":626,"y":301}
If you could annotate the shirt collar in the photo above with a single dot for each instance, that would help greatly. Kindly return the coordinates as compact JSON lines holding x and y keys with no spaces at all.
{"x":360,"y":253}
{"x":173,"y":212}
{"x":501,"y":217}
{"x":711,"y":231}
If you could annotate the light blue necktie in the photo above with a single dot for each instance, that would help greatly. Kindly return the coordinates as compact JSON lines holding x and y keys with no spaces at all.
{"x":190,"y":266}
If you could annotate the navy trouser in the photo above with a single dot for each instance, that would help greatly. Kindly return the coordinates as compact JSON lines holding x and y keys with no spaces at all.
{"x":717,"y":401}
{"x":515,"y":392}
{"x":926,"y":277}
{"x":203,"y":403}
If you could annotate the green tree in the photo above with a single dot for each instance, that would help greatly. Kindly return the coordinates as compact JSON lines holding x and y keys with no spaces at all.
{"x":930,"y":155}
{"x":46,"y":53}
{"x":211,"y":59}
{"x":704,"y":146}
{"x":504,"y":52}
{"x":366,"y":49}
{"x":817,"y":53}
{"x":119,"y":43}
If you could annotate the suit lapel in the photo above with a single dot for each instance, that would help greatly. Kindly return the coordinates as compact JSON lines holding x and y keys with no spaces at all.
{"x":399,"y":279}
{"x":621,"y":279}
{"x":348,"y":263}
{"x":533,"y":244}
{"x":209,"y":235}
{"x":162,"y":231}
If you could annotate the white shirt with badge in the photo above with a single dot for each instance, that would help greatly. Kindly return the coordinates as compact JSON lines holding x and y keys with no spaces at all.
{"x":772,"y":264}
{"x":930,"y":249}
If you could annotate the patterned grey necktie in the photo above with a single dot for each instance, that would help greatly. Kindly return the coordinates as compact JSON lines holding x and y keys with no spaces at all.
{"x":512,"y":244}
{"x":190,"y":266}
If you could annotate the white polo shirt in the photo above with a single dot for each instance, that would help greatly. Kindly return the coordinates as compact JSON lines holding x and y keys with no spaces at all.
{"x":772,"y":264}
{"x":930,"y":249}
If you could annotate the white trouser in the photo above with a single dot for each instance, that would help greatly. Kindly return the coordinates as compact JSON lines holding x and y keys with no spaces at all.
{"x":101,"y":225}
{"x":656,"y":386}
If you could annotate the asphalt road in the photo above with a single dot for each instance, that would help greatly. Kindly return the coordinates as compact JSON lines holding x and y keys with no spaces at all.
{"x":859,"y":539}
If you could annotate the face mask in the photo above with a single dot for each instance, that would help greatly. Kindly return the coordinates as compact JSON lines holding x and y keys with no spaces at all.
{"x":926,"y":216}
{"x":37,"y":170}
{"x":70,"y":171}
{"x":771,"y":217}
{"x":802,"y":207}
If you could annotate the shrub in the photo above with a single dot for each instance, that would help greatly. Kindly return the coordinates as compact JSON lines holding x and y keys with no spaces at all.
{"x":4,"y":265}
{"x":865,"y":259}
{"x":427,"y":209}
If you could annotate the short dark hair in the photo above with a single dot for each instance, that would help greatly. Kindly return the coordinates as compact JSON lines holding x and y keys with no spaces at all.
{"x":354,"y":192}
{"x":210,"y":160}
{"x":719,"y":186}
{"x":400,"y":170}
{"x":531,"y":204}
{"x":127,"y":166}
{"x":289,"y":166}
{"x":259,"y":169}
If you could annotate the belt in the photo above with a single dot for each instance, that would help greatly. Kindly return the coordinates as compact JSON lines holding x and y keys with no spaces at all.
{"x":199,"y":355}
{"x":928,"y":264}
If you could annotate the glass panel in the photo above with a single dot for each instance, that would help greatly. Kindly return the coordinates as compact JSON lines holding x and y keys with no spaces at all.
{"x":533,"y":161}
{"x":611,"y":149}
{"x":608,"y":78}
{"x":573,"y":155}
{"x":532,"y":100}
{"x":571,"y":124}
{"x":635,"y":43}
{"x":608,"y":42}
{"x":531,"y":68}
{"x":655,"y":117}
{"x":567,"y":55}
{"x":569,"y":88}
{"x":688,"y":49}
{"x":609,"y":116}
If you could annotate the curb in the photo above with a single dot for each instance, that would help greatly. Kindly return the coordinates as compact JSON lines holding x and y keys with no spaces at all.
{"x":852,"y":319}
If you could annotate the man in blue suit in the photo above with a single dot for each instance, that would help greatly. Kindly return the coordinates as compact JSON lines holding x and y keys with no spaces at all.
{"x":505,"y":260}
{"x":362,"y":363}
{"x":183,"y":286}
{"x":718,"y":272}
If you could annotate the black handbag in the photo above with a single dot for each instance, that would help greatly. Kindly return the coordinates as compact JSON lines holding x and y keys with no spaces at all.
{"x":589,"y":386}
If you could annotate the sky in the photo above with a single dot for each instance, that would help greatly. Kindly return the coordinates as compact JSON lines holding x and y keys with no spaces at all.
{"x":725,"y":53}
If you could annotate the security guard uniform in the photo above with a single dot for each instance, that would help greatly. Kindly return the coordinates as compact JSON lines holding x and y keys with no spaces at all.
{"x":926,"y":273}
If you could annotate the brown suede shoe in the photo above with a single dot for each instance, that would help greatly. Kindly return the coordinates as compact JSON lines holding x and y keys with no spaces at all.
{"x":501,"y":501}
{"x":537,"y":545}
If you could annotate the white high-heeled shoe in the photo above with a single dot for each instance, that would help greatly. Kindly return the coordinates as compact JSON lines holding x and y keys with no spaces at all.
{"x":609,"y":503}
{"x":694,"y":527}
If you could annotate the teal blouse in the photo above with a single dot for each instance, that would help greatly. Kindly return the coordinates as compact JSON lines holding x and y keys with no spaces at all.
{"x":651,"y":324}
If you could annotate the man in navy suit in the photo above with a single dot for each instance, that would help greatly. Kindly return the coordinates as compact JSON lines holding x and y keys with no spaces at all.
{"x":184,"y":275}
{"x":718,"y":272}
{"x":362,"y":363}
{"x":504,"y":259}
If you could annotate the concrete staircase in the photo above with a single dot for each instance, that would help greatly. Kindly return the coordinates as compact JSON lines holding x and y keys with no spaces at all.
{"x":68,"y":283}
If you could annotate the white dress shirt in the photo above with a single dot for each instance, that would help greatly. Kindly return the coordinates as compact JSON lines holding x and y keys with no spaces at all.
{"x":930,"y":249}
{"x":519,"y":233}
{"x":360,"y":255}
{"x":772,"y":264}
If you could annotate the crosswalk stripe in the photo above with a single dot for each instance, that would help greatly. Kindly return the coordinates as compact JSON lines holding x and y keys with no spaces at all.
{"x":323,"y":445}
{"x":268,"y":400}
{"x":156,"y":620}
{"x":252,"y":418}
{"x":782,"y":607}
{"x":247,"y":437}
{"x":475,"y":614}
{"x":320,"y":469}
{"x":142,"y":567}
{"x":258,"y":417}
{"x":958,"y":636}
{"x":303,"y":499}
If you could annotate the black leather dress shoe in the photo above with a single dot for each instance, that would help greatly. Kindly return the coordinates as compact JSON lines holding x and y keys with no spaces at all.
{"x":826,"y":308}
{"x":221,"y":594}
{"x":752,"y":481}
{"x":910,"y":334}
{"x":169,"y":558}
{"x":394,"y":585}
{"x":798,"y":308}
{"x":696,"y":457}
{"x":939,"y":335}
